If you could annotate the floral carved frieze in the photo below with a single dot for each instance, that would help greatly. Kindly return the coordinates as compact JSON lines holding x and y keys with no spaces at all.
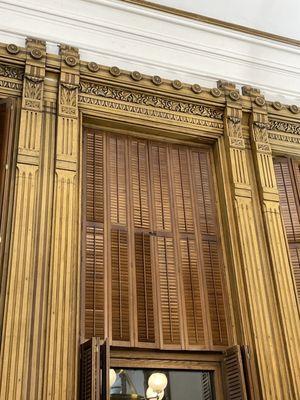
{"x":145,"y":99}
{"x":137,"y":109}
{"x":9,"y":71}
{"x":11,"y":77}
{"x":284,"y":126}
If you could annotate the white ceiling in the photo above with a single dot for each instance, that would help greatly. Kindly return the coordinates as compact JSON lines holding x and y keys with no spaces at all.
{"x":273,"y":16}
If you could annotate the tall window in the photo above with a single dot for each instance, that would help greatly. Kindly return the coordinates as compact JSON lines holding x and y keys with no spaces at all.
{"x":287,"y":173}
{"x":152,"y":255}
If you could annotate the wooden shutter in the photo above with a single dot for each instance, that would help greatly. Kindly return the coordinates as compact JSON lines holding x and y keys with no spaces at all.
{"x":211,"y":247}
{"x":234,"y":381}
{"x":151,"y":247}
{"x":190,"y":269}
{"x":119,"y":241}
{"x":288,"y":182}
{"x":94,"y":370}
{"x":94,"y":305}
{"x":144,"y":266}
{"x":168,"y":298}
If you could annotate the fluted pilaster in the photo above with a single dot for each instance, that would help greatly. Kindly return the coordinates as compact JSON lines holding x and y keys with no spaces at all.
{"x":62,"y":341}
{"x":20,"y":290}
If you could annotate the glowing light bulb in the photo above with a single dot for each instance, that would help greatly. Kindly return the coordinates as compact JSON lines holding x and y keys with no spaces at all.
{"x":112,"y":377}
{"x":157,"y":382}
{"x":150,"y":394}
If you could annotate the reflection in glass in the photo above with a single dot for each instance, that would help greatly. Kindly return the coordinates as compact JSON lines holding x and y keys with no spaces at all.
{"x":181,"y":385}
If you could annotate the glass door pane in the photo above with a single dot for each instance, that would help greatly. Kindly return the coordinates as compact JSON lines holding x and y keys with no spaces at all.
{"x":180,"y":384}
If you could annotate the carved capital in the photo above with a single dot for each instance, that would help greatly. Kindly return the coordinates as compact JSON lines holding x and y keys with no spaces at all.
{"x":233,"y":127}
{"x":260,"y":132}
{"x":69,"y":81}
{"x":34,"y":74}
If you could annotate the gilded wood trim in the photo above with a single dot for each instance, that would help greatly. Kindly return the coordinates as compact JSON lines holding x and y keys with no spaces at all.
{"x":281,"y":268}
{"x":20,"y":282}
{"x":60,"y":377}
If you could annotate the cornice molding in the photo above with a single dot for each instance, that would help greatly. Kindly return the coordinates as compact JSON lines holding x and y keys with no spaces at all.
{"x":119,"y":33}
{"x":214,"y":22}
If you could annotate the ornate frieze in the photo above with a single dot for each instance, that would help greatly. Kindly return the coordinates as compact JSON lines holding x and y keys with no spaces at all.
{"x":154,"y":113}
{"x":284,"y":126}
{"x":141,"y":98}
{"x":11,"y":77}
{"x":9,"y":71}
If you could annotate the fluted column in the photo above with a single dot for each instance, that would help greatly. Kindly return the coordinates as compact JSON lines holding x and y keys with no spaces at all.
{"x":265,"y":340}
{"x":14,"y":356}
{"x":281,"y":268}
{"x":62,"y":329}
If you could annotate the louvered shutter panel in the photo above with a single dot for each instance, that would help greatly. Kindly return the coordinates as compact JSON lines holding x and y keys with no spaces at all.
{"x":288,"y":182}
{"x":211,"y":248}
{"x":189,"y":260}
{"x":94,"y":234}
{"x":142,"y":241}
{"x":151,"y":247}
{"x":234,"y":381}
{"x":165,"y":248}
{"x":94,"y":370}
{"x":89,"y":367}
{"x":119,"y":241}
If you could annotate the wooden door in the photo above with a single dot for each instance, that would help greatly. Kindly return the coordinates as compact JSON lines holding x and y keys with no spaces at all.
{"x":152,"y":256}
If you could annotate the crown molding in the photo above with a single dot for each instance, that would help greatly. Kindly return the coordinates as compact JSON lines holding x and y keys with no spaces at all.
{"x":215,"y":22}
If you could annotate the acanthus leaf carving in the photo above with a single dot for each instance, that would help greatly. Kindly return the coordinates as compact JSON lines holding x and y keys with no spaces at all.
{"x":234,"y":127}
{"x":284,"y":126}
{"x":156,"y":113}
{"x":146,"y":99}
{"x":9,"y":71}
{"x":33,"y":88}
{"x":260,"y":132}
